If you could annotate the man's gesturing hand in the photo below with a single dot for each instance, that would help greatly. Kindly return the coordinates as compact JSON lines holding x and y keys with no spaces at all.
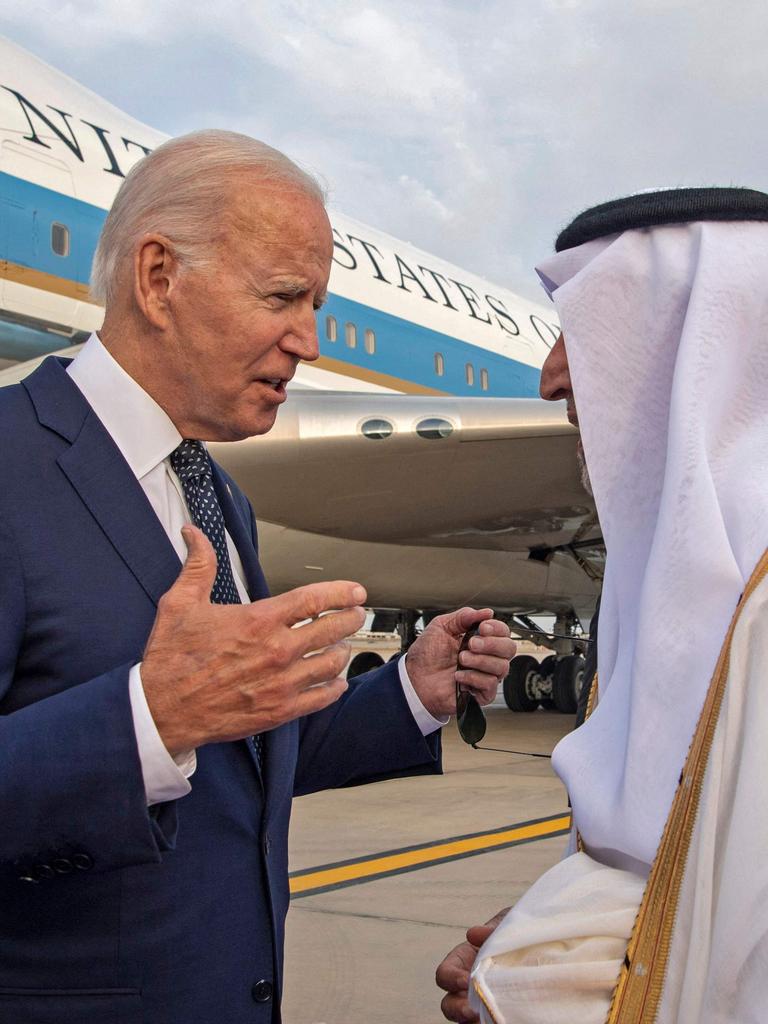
{"x":431,"y":661}
{"x":221,"y":672}
{"x":453,"y":973}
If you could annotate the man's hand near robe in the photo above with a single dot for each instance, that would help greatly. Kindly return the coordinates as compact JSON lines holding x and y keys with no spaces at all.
{"x":452,"y":975}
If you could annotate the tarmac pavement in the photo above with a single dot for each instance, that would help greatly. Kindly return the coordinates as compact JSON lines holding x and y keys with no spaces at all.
{"x":366,"y":952}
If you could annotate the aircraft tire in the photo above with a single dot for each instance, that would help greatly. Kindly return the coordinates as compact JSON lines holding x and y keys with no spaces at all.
{"x":566,"y":683}
{"x":547,"y":670}
{"x":515,"y":694}
{"x":365,"y":661}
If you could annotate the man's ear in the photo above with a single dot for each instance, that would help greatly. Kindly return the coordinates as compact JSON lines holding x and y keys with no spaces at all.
{"x":156,"y":270}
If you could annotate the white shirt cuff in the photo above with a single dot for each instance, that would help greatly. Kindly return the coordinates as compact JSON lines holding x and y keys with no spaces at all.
{"x":165,"y":777}
{"x":425,"y":721}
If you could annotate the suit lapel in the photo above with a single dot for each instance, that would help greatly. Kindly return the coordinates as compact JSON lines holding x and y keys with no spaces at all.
{"x":111,"y":493}
{"x":104,"y":481}
{"x":114,"y":497}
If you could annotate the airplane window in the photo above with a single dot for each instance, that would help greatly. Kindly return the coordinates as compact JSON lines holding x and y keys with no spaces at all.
{"x":377,"y":429}
{"x":484,"y":380}
{"x":370,"y":341}
{"x":470,"y":374}
{"x":434,"y":428}
{"x":350,"y":335}
{"x":330,"y":328}
{"x":439,"y":364}
{"x":60,"y":239}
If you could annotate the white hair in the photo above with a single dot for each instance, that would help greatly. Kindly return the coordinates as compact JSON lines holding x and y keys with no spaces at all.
{"x":179,"y":191}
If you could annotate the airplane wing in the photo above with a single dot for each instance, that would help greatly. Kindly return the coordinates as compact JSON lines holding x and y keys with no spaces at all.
{"x":480,"y":473}
{"x":433,"y":501}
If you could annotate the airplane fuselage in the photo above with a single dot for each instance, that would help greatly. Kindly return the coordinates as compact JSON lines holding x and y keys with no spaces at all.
{"x":398,"y":322}
{"x":397,"y":319}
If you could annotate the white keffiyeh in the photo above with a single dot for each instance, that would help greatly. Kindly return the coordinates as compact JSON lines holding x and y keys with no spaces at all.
{"x":666,"y":332}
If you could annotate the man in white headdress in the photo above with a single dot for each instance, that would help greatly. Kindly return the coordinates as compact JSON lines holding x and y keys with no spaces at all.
{"x":660,"y":912}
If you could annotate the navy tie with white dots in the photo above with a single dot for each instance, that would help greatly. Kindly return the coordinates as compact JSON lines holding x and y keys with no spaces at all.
{"x":192,"y":465}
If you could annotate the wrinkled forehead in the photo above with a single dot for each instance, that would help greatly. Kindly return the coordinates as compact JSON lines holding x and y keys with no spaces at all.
{"x":277,"y":212}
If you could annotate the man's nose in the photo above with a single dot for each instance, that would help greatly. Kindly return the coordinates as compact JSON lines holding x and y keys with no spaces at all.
{"x":301,"y":340}
{"x":555,"y":381}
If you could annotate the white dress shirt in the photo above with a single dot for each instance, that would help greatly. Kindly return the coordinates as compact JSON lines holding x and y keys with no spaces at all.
{"x":146,"y":437}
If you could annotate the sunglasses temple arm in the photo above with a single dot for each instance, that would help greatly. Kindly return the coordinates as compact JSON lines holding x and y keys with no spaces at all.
{"x":504,"y":750}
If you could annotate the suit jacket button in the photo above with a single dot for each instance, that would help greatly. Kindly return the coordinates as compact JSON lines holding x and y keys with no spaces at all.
{"x":44,"y":871}
{"x":63,"y":865}
{"x":262,"y":991}
{"x":27,"y":877}
{"x":82,"y":861}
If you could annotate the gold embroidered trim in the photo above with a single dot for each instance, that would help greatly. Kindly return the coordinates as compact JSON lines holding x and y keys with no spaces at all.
{"x":592,"y":698}
{"x":484,"y":1001}
{"x":640,"y":983}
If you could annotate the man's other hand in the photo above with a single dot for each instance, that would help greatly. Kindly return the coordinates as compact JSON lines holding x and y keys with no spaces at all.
{"x":453,"y":973}
{"x":431,"y":660}
{"x":215,"y":672}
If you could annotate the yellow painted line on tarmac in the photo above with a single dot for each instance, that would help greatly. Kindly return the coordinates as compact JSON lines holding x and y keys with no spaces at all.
{"x":393,"y":862}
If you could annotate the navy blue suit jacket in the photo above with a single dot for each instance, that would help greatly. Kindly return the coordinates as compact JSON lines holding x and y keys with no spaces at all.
{"x":109,"y":911}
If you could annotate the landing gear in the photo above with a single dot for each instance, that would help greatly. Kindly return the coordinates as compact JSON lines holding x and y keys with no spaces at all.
{"x":518,"y":686}
{"x":555,"y":683}
{"x":384,"y":620}
{"x":547,"y":671}
{"x":566,"y":683}
{"x":406,"y":627}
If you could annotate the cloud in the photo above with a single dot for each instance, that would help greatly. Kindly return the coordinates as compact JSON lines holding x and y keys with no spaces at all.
{"x":419,"y":197}
{"x":474,"y":131}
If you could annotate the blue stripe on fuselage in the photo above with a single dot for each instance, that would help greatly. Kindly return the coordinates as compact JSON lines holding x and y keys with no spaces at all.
{"x":28,"y":211}
{"x":407,"y":350}
{"x":403,"y":349}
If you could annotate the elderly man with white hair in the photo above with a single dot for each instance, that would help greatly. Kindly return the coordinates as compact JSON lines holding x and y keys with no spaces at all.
{"x":159,"y":709}
{"x":660,"y":911}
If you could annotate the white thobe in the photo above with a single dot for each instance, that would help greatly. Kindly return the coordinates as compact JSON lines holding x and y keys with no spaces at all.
{"x":555,"y":957}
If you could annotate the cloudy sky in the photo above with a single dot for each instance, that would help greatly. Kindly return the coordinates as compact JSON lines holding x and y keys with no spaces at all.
{"x":473,"y":129}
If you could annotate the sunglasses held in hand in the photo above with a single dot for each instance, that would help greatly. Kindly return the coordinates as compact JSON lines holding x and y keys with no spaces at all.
{"x":469,"y":715}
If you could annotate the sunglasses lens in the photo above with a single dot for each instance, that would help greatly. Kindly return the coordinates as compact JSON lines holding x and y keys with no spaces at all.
{"x":469,"y":718}
{"x":469,"y":715}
